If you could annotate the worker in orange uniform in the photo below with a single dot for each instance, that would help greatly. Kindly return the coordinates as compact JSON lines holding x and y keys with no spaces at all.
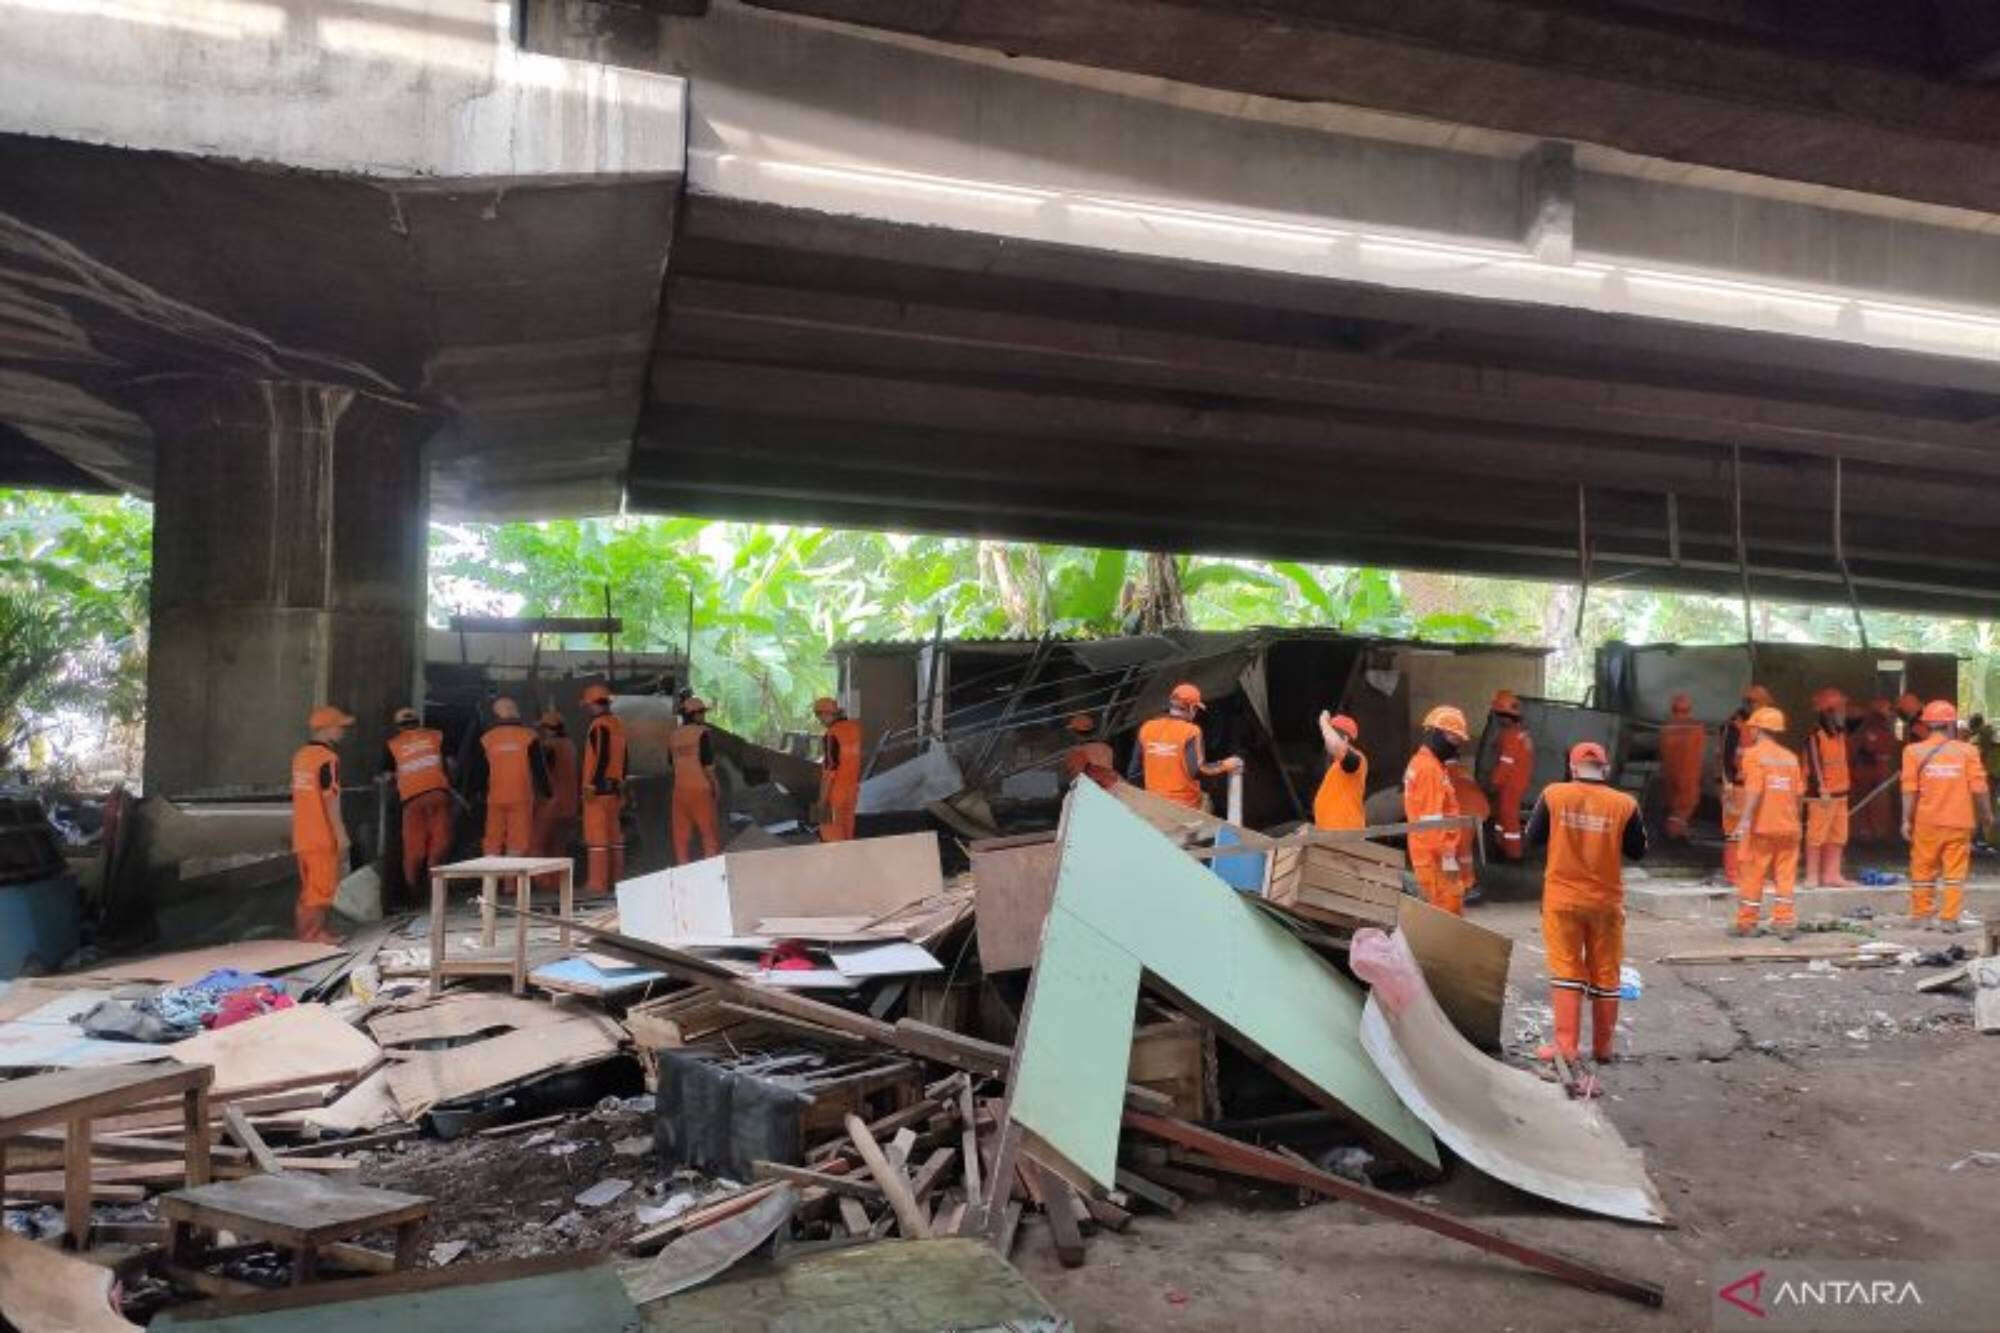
{"x":1945,"y":795}
{"x":1827,"y":786}
{"x":1876,"y":758}
{"x":697,"y":817}
{"x":603,"y":791}
{"x":515,"y":778}
{"x":1169,"y":759}
{"x":319,"y":836}
{"x":1428,"y":796}
{"x":1341,"y":801}
{"x":1513,"y":772}
{"x":1087,"y":756}
{"x":556,"y":818}
{"x":1590,"y":829}
{"x":1472,"y":802}
{"x":1734,"y":739}
{"x":423,"y":788}
{"x":839,"y":771}
{"x":1683,"y":745}
{"x":1768,"y":829}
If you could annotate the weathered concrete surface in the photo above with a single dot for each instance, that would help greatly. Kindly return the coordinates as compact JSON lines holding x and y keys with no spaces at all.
{"x":394,"y":88}
{"x":288,"y":571}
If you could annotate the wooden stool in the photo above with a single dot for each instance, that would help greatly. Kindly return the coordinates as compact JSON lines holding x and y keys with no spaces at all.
{"x":301,"y":1213}
{"x":493,"y":873}
{"x":75,"y":1097}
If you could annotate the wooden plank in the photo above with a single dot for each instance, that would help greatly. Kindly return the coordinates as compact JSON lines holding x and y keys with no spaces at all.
{"x":1013,"y":886}
{"x":425,"y":1078}
{"x":253,"y":1142}
{"x":694,"y":1219}
{"x":914,"y":1223}
{"x":1464,"y":963}
{"x":1060,"y":1210}
{"x":46,"y":1099}
{"x":952,"y":1048}
{"x":459,"y":1014}
{"x":818,"y":1031}
{"x":1159,"y":1196}
{"x":931,"y":1174}
{"x":1243,"y":1159}
{"x":854,"y":1216}
{"x":969,"y":1144}
{"x":307,"y":1041}
{"x":699,"y":1257}
{"x":178,"y":969}
{"x":852,"y":1187}
{"x":76,"y":1184}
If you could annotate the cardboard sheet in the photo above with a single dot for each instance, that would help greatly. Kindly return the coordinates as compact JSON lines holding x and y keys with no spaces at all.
{"x":1505,"y":1121}
{"x":461,"y":1014}
{"x":1128,"y":901}
{"x":43,"y":1290}
{"x":177,"y":969}
{"x":308,"y":1041}
{"x":422,"y":1079}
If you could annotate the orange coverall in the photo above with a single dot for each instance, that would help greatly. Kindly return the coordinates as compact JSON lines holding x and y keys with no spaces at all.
{"x":510,"y":789}
{"x":695,"y":797}
{"x":1165,"y":757}
{"x":841,"y":762}
{"x":1092,"y":759}
{"x":556,"y":816}
{"x":1683,"y":743}
{"x":1942,"y":780}
{"x":425,"y":794}
{"x":1826,"y":810}
{"x":1428,"y":794}
{"x":1589,"y":828}
{"x":1471,"y":801}
{"x":1342,"y":799}
{"x":315,"y":790}
{"x":1513,"y":771}
{"x":1875,"y":759}
{"x":1770,"y":849}
{"x":602,"y":786}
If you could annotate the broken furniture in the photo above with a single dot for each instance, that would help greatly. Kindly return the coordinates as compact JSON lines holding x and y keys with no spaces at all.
{"x":301,"y":1213}
{"x":77,"y":1097}
{"x":1351,"y":883}
{"x":494,"y":874}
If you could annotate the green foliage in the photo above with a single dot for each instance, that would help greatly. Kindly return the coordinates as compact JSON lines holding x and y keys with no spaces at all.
{"x":74,"y":574}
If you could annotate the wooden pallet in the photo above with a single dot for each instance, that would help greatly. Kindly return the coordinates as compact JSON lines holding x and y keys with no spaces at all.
{"x":1350,"y":885}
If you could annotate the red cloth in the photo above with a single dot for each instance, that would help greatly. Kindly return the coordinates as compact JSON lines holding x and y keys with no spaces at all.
{"x":250,"y":1002}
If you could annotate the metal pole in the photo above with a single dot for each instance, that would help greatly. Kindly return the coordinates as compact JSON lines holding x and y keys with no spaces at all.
{"x":610,"y":643}
{"x":1742,"y":551}
{"x":1840,"y":558}
{"x":687,"y":656}
{"x":1582,"y":556}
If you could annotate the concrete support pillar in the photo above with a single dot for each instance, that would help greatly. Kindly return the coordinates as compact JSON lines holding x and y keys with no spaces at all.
{"x":288,"y":570}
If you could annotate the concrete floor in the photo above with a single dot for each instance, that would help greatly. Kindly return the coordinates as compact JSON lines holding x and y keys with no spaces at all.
{"x":1783,"y":1112}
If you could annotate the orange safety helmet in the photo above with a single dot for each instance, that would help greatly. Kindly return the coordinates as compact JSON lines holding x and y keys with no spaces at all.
{"x":1939,"y":712}
{"x":404,"y":717}
{"x":1345,"y":725}
{"x":1829,"y":700}
{"x":1449,"y":720}
{"x":1767,"y":719}
{"x":1186,"y":695}
{"x":1505,"y":703}
{"x":596,"y":693}
{"x":1081,"y":723}
{"x":326,"y":715}
{"x":1759,"y":697}
{"x":1682,"y":704}
{"x":1588,"y":752}
{"x":1909,"y":705}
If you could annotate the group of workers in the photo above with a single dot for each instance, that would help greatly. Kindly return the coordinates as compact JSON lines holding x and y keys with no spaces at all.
{"x":537,"y":790}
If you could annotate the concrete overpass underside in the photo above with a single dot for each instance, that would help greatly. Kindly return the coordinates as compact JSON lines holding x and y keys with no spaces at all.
{"x":1657,"y":292}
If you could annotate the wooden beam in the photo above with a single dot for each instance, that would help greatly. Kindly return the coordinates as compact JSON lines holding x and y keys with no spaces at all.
{"x":1244,"y":1159}
{"x":253,"y":1143}
{"x":1058,"y":1205}
{"x":849,"y":1186}
{"x":915,"y":1225}
{"x":536,"y":625}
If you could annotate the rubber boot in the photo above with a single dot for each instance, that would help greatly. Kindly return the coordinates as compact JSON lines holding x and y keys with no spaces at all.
{"x":1603,"y":1027}
{"x":1568,"y":1007}
{"x":1829,"y":875}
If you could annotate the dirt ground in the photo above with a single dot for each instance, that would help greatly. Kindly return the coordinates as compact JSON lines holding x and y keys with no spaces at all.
{"x":1783,"y":1113}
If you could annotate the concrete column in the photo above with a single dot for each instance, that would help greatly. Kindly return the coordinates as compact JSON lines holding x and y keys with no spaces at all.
{"x":288,"y":570}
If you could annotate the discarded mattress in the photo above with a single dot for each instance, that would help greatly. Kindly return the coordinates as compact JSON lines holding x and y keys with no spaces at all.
{"x":1129,"y":902}
{"x":1505,"y":1121}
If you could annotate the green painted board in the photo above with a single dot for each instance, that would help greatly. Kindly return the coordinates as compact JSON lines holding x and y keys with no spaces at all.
{"x":1123,"y":888}
{"x":949,"y":1285}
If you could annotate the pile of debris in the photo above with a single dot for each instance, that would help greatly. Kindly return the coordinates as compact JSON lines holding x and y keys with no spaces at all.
{"x":805,"y":1049}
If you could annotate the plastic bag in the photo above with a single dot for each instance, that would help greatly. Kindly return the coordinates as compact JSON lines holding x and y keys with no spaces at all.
{"x":1387,"y":965}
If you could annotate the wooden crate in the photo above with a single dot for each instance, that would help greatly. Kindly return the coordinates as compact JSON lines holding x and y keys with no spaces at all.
{"x":1350,"y":884}
{"x":1176,"y":1056}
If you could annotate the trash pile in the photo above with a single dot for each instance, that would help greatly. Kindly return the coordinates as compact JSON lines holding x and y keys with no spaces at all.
{"x":786,"y":1054}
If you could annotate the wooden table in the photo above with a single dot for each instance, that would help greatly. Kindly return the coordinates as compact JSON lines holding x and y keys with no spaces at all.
{"x":493,"y":873}
{"x":304,"y":1214}
{"x":75,"y":1097}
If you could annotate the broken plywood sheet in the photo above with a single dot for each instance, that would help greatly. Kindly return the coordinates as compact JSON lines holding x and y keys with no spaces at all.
{"x":422,"y":1079}
{"x":1014,"y":881}
{"x":1129,"y":901}
{"x":43,"y":1290}
{"x":1507,"y":1122}
{"x":1465,"y":964}
{"x":729,"y":895}
{"x":306,"y":1043}
{"x":178,"y":969}
{"x":694,"y":1259}
{"x":461,"y":1014}
{"x":894,"y":958}
{"x":45,"y":1037}
{"x":594,"y":978}
{"x":365,"y":1106}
